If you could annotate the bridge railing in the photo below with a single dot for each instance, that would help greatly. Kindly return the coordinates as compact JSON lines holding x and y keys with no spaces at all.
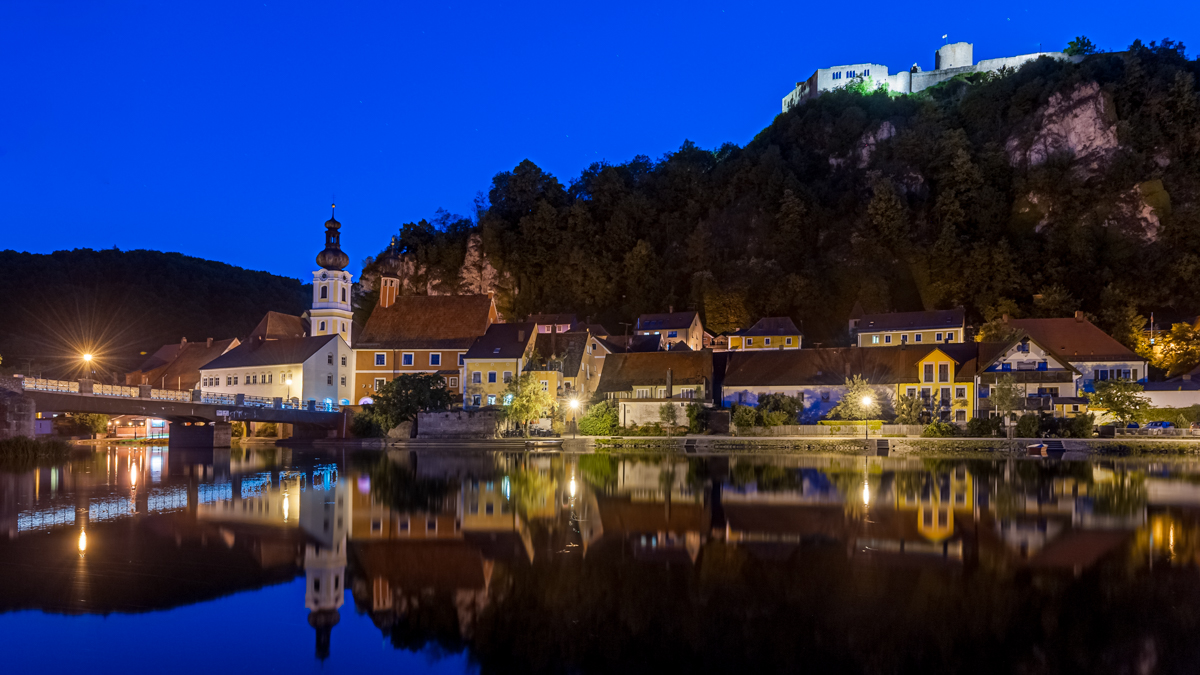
{"x":217,"y":398}
{"x":181,"y":395}
{"x":115,"y":390}
{"x":258,"y":401}
{"x":50,"y":385}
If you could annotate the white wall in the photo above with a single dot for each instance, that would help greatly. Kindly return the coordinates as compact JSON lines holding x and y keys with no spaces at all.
{"x":818,"y":399}
{"x":308,"y":378}
{"x":1173,"y":399}
{"x":633,"y":411}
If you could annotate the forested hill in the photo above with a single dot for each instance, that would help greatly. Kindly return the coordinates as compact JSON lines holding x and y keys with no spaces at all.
{"x":121,"y":303}
{"x":1058,"y":187}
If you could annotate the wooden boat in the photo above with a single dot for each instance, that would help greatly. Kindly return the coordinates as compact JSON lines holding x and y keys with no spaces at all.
{"x":543,"y":444}
{"x":1036,"y":450}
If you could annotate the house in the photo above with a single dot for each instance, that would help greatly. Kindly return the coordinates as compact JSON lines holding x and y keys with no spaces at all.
{"x":177,"y":365}
{"x":558,"y":358}
{"x":418,"y":334}
{"x":651,"y":375}
{"x":277,"y":325}
{"x":768,"y":333}
{"x":1090,"y":351}
{"x":943,"y":377}
{"x":880,"y":330}
{"x":1178,"y":392}
{"x":491,"y":362}
{"x":673,"y":327}
{"x":1041,"y":374}
{"x":556,"y":323}
{"x":717,"y":343}
{"x":314,"y":368}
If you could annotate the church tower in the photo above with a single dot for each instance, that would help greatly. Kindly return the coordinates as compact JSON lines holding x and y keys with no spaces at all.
{"x":331,"y":311}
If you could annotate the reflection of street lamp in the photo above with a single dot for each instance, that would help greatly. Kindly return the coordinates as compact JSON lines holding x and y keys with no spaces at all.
{"x":574,"y":403}
{"x":82,"y":542}
{"x":572,"y":487}
{"x":866,"y":402}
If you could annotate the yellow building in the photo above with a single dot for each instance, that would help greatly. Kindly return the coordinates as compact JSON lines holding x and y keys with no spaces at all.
{"x":944,"y":378}
{"x":936,"y":500}
{"x":913,"y":328}
{"x":768,"y":333}
{"x":418,"y":334}
{"x":495,"y":358}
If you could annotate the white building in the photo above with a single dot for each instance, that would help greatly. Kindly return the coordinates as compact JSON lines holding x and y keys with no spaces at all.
{"x":332,"y":313}
{"x":316,"y":368}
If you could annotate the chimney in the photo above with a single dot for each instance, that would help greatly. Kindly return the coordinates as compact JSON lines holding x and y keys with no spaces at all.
{"x":491,"y":295}
{"x":182,"y":342}
{"x":1004,"y":319}
{"x":670,"y":309}
{"x":670,"y":382}
{"x":388,"y":290}
{"x":520,"y":336}
{"x":1078,"y":316}
{"x":210,"y":343}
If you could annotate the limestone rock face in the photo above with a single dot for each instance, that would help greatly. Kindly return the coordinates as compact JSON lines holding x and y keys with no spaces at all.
{"x":866,"y":146}
{"x":1081,"y":123}
{"x":477,"y":275}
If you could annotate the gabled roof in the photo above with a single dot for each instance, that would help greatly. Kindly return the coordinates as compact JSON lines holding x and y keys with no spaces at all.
{"x":1075,"y":339}
{"x":831,"y":367}
{"x":427,"y":322}
{"x":941,"y":318}
{"x":995,"y":350}
{"x":258,"y":353}
{"x":770,"y":326}
{"x":623,"y":372}
{"x":632,"y":343}
{"x":595,"y":329}
{"x":672,"y":321}
{"x":553,"y":319}
{"x":277,"y":326}
{"x":503,"y":341}
{"x":566,"y":347}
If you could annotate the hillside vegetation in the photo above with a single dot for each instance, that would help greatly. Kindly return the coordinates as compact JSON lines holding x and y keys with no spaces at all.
{"x":1058,"y":187}
{"x":119,"y":304}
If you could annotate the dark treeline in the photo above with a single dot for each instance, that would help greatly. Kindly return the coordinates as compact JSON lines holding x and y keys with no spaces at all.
{"x":118,"y":304}
{"x":823,"y":209}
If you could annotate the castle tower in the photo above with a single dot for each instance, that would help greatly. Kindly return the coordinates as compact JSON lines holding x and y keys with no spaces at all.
{"x":389,"y":279}
{"x":331,"y":310}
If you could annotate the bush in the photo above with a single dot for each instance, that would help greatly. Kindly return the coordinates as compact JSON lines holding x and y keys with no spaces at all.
{"x":778,"y":418}
{"x":267,"y":430}
{"x":697,"y":418}
{"x":745,"y":416}
{"x":789,"y":406}
{"x":602,"y":419}
{"x":237,"y":429}
{"x":1082,"y":426}
{"x":985,"y":426}
{"x":939,"y":430}
{"x":1029,"y":426}
{"x":366,"y":424}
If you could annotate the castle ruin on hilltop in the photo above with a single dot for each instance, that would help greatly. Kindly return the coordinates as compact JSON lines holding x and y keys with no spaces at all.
{"x":949,"y":60}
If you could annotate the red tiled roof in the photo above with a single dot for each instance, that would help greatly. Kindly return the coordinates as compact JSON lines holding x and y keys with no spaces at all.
{"x":879,"y":365}
{"x":428,"y":322}
{"x":623,"y":372}
{"x":277,"y":326}
{"x":1075,"y":339}
{"x":941,"y":318}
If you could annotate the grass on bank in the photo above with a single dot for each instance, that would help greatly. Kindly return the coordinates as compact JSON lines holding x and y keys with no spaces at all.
{"x":23,"y":453}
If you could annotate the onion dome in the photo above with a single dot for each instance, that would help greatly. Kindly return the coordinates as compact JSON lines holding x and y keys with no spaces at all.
{"x":390,"y":262}
{"x":332,"y":258}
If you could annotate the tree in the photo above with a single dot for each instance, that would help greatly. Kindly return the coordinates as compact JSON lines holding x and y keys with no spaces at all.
{"x":401,"y":399}
{"x":525,"y":400}
{"x":1122,"y":399}
{"x":1006,"y":396}
{"x":851,"y":406}
{"x":1180,"y":349}
{"x":788,"y":407}
{"x":668,"y":414}
{"x":93,"y":423}
{"x":909,"y":409}
{"x":1080,"y":46}
{"x":602,"y":419}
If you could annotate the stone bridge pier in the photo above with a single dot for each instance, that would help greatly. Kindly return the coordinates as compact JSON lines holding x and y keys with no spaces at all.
{"x":200,"y":435}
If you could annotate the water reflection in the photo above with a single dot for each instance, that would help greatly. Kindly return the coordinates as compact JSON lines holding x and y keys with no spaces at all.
{"x":552,"y":562}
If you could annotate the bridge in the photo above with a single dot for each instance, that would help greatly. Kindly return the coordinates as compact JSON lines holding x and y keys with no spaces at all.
{"x":199,"y":419}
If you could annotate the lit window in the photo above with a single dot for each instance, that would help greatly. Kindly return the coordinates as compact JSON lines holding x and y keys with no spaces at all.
{"x":491,"y":399}
{"x":378,"y":383}
{"x":454,"y":382}
{"x":435,"y":359}
{"x":672,"y":333}
{"x":874,"y":339}
{"x":380,"y":359}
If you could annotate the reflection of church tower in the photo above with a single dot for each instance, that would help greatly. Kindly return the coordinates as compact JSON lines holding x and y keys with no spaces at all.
{"x":325,"y":517}
{"x":331,"y":311}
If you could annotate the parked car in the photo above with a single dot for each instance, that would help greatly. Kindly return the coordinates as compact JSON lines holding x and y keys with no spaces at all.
{"x":1160,"y":425}
{"x":1131,"y":425}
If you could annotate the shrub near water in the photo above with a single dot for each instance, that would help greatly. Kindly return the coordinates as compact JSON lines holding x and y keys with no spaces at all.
{"x":24,"y":452}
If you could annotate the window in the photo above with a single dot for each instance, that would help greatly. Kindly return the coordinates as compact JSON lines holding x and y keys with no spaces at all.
{"x":460,"y":359}
{"x":945,"y":395}
{"x":404,"y":525}
{"x":938,"y":337}
{"x":235,"y":379}
{"x":749,"y":342}
{"x":911,"y":391}
{"x":917,"y":337}
{"x":454,"y":382}
{"x":825,"y":396}
{"x":927,"y":518}
{"x":491,"y":376}
{"x":874,"y":339}
{"x":496,"y":350}
{"x":767,"y":342}
{"x":543,"y":329}
{"x":270,"y":378}
{"x":943,"y":372}
{"x":329,"y":379}
{"x":435,"y":359}
{"x":950,"y":336}
{"x":477,"y":377}
{"x":329,"y":359}
{"x":508,"y":399}
{"x":343,"y":297}
{"x":643,"y":393}
{"x":491,"y":399}
{"x":943,"y":517}
{"x":925,"y":394}
{"x":228,"y":380}
{"x":688,"y":393}
{"x":322,"y":324}
{"x":343,"y":380}
{"x":887,"y":339}
{"x":431,"y":524}
{"x":324,"y":296}
{"x":1133,"y":374}
{"x":343,"y":326}
{"x":960,"y":392}
{"x":489,"y":509}
{"x":253,"y":379}
{"x":1103,"y":374}
{"x":378,"y":383}
{"x":380,"y":358}
{"x":476,"y":399}
{"x":406,"y":359}
{"x":928,"y":375}
{"x":787,"y":342}
{"x":672,"y":333}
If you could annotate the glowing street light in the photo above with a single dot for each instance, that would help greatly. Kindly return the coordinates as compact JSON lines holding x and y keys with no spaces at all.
{"x":289,"y":385}
{"x":87,"y":361}
{"x":866,"y":403}
{"x":574,"y":403}
{"x":82,"y":541}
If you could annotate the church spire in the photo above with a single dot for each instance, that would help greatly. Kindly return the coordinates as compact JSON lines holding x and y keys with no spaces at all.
{"x":332,"y":258}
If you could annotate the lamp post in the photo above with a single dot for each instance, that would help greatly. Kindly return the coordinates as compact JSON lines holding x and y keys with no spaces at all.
{"x":87,"y":361}
{"x":866,"y":403}
{"x":289,"y":385}
{"x":574,"y":403}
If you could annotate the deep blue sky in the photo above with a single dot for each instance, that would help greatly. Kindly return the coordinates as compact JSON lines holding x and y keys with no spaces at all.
{"x":222,"y":129}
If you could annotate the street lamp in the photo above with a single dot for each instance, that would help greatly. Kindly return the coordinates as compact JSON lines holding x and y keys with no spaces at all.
{"x":87,"y":360}
{"x":866,"y":403}
{"x":289,"y":385}
{"x":574,"y":403}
